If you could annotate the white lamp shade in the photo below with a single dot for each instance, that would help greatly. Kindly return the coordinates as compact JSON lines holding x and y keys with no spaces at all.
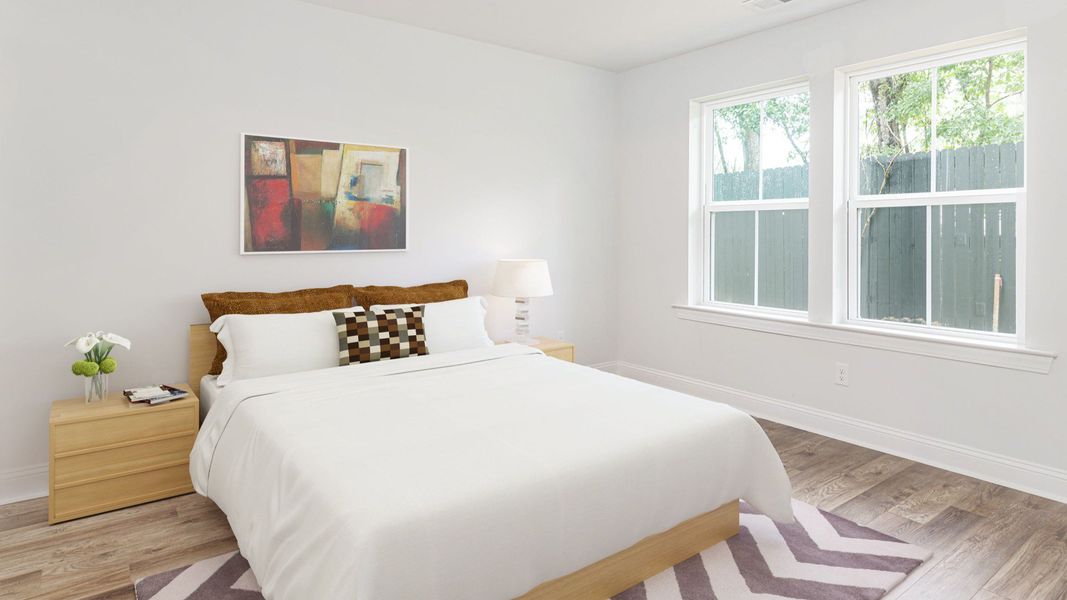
{"x":522,"y":278}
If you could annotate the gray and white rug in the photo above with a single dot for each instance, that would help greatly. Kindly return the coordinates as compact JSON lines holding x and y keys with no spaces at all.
{"x":820,"y":557}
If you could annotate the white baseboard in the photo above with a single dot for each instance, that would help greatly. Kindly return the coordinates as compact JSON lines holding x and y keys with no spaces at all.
{"x":1033,"y":478}
{"x":23,"y":483}
{"x":611,"y":366}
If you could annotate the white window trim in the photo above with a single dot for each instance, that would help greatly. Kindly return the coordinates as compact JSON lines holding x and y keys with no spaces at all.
{"x":703,"y":275}
{"x":854,"y":201}
{"x":996,"y":353}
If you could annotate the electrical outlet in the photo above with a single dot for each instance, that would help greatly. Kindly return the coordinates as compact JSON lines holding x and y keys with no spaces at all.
{"x":841,"y":374}
{"x":561,"y":334}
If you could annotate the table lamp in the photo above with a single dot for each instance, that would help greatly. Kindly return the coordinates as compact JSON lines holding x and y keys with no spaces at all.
{"x":522,"y":279}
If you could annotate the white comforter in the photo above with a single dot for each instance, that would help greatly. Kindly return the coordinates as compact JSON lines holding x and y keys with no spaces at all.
{"x":466,"y":475}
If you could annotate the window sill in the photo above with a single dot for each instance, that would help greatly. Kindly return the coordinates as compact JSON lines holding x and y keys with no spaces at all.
{"x":961,"y":350}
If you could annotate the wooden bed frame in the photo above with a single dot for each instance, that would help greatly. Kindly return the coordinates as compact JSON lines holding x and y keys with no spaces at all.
{"x":600,"y":580}
{"x":201,"y":354}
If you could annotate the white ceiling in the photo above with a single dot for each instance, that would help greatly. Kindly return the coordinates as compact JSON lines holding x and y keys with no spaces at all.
{"x":610,"y":34}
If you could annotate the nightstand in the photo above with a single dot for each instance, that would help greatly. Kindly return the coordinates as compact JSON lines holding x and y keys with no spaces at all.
{"x":114,"y":453}
{"x":555,"y":348}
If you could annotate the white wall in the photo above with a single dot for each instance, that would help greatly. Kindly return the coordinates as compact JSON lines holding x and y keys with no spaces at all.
{"x":120,"y":119}
{"x":119,"y":149}
{"x":1003,"y":424}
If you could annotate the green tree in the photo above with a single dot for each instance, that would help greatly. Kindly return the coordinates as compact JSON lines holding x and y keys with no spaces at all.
{"x":744,"y":121}
{"x":898,"y":115}
{"x":792,"y":115}
{"x":975,"y":107}
{"x":979,"y":101}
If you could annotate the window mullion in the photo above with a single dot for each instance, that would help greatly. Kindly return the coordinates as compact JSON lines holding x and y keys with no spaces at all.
{"x":707,"y":169}
{"x":933,"y":130}
{"x":707,"y":183}
{"x":929,"y":268}
{"x":747,"y":205}
{"x":852,"y":263}
{"x":935,"y":200}
{"x":709,"y":254}
{"x":759,"y":173}
{"x":755,"y":258}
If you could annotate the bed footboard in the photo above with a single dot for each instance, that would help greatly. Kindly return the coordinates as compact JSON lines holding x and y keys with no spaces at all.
{"x":622,"y":570}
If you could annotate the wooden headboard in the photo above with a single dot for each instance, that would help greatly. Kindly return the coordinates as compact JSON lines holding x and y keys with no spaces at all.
{"x":201,"y":354}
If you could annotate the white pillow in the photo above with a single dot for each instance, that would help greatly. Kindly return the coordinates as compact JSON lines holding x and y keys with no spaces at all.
{"x":453,"y":324}
{"x":275,"y":344}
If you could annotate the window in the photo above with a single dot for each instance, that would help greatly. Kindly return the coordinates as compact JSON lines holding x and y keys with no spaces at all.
{"x":754,"y":196}
{"x":935,"y":181}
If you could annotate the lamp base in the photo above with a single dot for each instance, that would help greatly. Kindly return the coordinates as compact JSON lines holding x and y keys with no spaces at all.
{"x":522,"y":322}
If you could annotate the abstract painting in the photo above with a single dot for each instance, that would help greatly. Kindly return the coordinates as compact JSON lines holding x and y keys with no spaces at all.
{"x":313,"y":196}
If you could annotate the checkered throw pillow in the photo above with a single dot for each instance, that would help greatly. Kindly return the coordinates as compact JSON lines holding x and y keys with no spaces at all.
{"x":382,"y":334}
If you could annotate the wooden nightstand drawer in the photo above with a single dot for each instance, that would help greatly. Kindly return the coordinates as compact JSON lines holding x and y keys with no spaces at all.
{"x":562,"y":354}
{"x":95,"y":433}
{"x":556,"y":348}
{"x":113,"y":453}
{"x":117,"y":492}
{"x":89,"y":465}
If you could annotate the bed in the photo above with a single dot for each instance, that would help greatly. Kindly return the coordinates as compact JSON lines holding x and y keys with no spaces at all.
{"x":208,"y":391}
{"x":489,"y":473}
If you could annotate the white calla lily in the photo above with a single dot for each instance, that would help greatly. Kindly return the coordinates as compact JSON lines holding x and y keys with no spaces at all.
{"x":118,"y":340}
{"x":85,"y":343}
{"x":90,"y":340}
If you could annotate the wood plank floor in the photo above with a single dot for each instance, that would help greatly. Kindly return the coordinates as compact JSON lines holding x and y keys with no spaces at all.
{"x":989,"y":542}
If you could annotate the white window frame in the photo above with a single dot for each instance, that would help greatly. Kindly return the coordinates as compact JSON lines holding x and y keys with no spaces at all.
{"x":856,"y":202}
{"x":708,"y":207}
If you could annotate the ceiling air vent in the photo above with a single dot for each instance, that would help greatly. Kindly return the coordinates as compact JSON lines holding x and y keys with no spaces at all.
{"x":762,"y":5}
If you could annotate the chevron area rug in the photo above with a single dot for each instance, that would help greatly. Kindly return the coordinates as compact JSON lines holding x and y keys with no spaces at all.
{"x":820,"y":557}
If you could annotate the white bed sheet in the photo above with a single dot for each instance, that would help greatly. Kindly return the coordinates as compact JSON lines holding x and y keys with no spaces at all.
{"x":209,"y":392}
{"x":466,"y":475}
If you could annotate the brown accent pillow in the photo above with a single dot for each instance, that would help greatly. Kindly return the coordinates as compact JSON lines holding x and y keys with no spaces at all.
{"x":420,"y":294}
{"x":260,"y":303}
{"x":382,"y":334}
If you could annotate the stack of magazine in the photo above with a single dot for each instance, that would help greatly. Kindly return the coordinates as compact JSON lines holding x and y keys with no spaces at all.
{"x":154,"y":394}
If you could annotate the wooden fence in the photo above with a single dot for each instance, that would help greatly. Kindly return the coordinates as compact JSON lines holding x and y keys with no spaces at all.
{"x":783,"y":258}
{"x":982,"y":167}
{"x":970,"y":244}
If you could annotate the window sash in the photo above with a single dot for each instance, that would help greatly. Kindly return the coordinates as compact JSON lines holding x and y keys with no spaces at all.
{"x":710,"y":206}
{"x":854,"y":277}
{"x":941,"y":60}
{"x":855,"y":201}
{"x":746,"y":97}
{"x":951,"y":332}
{"x":707,"y":127}
{"x":708,"y":234}
{"x":746,"y":205}
{"x":998,"y":196}
{"x":857,"y":79}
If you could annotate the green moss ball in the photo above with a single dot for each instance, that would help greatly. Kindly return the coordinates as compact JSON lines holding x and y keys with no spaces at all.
{"x":85,"y":368}
{"x":108,"y":365}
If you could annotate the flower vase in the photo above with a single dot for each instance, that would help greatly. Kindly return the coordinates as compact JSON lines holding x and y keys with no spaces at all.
{"x":96,"y":388}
